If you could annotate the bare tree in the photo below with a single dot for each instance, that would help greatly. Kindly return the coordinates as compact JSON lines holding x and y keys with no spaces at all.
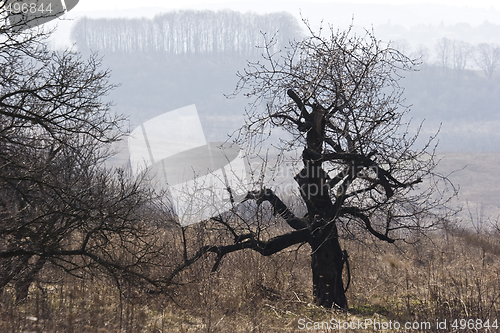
{"x":444,"y":50}
{"x":488,"y":58}
{"x":337,"y":96}
{"x":453,"y":54}
{"x":462,"y":52}
{"x":184,"y":32}
{"x":421,"y":53}
{"x":59,"y":206}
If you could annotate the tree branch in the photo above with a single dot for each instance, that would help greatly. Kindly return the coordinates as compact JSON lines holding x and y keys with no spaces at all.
{"x":355,"y":212}
{"x":266,"y":248}
{"x":303,"y":112}
{"x":279,"y":207}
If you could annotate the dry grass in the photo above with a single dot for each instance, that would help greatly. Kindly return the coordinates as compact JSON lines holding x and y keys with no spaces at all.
{"x":444,"y":276}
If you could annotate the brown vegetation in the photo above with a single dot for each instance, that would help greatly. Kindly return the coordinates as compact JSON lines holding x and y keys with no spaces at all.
{"x":447,"y":275}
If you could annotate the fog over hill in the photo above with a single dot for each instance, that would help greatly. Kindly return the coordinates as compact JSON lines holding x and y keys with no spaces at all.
{"x":191,"y":57}
{"x":409,"y":21}
{"x":159,"y":73}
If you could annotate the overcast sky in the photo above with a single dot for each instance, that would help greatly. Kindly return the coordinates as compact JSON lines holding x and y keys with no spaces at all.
{"x":366,"y":13}
{"x":340,"y":12}
{"x":87,"y":5}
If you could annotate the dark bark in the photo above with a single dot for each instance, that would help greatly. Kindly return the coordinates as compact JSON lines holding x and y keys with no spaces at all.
{"x":326,"y":256}
{"x":358,"y":166}
{"x":318,"y":227}
{"x":23,"y":284}
{"x":327,"y":263}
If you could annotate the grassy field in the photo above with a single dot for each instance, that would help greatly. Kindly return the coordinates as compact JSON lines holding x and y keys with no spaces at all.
{"x":477,"y":175}
{"x":446,"y":275}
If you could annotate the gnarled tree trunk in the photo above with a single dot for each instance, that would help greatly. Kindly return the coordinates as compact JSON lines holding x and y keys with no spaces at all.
{"x":327,"y":263}
{"x":326,"y":257}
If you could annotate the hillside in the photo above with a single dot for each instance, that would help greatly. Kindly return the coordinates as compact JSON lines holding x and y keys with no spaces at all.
{"x":477,"y":176}
{"x":463,"y":108}
{"x":158,"y":74}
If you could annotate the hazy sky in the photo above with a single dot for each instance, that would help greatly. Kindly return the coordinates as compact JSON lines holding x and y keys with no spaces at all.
{"x":366,"y":13}
{"x":87,"y":5}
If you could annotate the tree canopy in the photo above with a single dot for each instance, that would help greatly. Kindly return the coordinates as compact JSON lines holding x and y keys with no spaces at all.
{"x":337,"y":96}
{"x":60,"y":207}
{"x":187,"y":32}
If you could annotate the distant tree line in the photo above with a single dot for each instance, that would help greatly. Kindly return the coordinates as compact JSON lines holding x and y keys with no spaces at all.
{"x":457,"y":56}
{"x":186,"y":32}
